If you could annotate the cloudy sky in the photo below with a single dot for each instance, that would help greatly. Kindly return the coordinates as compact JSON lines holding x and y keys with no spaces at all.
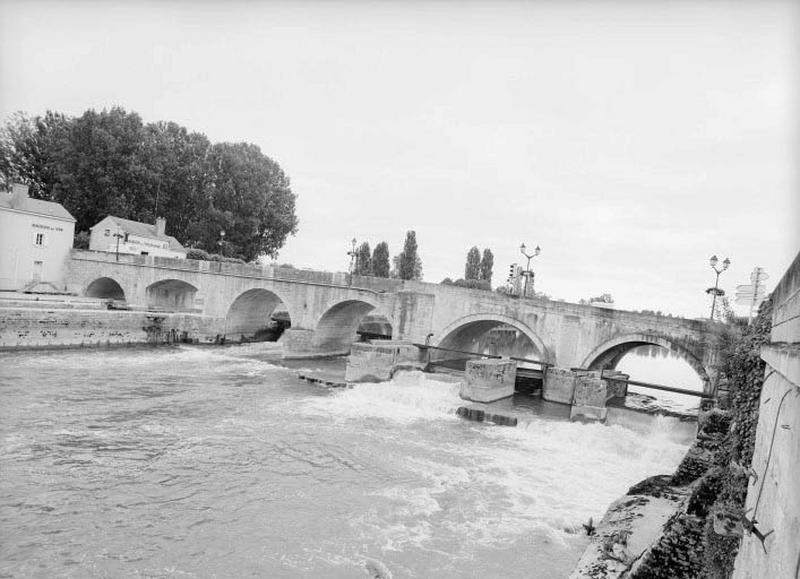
{"x":630,"y":140}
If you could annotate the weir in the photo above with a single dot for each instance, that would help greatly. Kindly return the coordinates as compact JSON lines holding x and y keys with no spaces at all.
{"x":491,"y":377}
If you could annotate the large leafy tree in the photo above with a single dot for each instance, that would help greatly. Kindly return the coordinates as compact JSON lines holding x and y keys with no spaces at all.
{"x":486,"y":266}
{"x":472,"y":269}
{"x":26,"y":151}
{"x":380,"y":260}
{"x":249,"y":198}
{"x":176,"y":177}
{"x":363,"y":260}
{"x":110,"y":163}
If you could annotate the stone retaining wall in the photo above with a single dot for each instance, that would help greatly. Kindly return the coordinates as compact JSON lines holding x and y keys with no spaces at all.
{"x":22,"y":328}
{"x":774,"y":498}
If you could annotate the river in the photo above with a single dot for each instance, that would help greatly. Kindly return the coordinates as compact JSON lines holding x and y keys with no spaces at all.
{"x":203,"y":462}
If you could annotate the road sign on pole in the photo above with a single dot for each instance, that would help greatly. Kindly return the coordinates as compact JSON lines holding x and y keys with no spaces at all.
{"x":752,"y":294}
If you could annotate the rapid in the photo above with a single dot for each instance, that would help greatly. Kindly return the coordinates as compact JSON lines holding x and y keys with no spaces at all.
{"x":201,"y":462}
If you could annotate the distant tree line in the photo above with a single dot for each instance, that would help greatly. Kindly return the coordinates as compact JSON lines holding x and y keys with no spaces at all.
{"x":406,"y":265}
{"x":477,"y":270}
{"x":111,"y":163}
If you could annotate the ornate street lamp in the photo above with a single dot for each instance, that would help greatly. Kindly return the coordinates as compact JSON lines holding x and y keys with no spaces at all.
{"x":221,"y":243}
{"x":119,"y":236}
{"x":715,"y":291}
{"x":528,"y":273}
{"x":352,"y":253}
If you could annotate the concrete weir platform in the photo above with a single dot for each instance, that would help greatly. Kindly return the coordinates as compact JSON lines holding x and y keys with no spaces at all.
{"x":488,"y":380}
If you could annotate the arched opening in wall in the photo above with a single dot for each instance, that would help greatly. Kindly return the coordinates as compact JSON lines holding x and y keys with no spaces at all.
{"x":106,"y":288}
{"x":257,"y":315}
{"x":485,"y":337}
{"x":171,"y":295}
{"x":338,"y":327}
{"x":656,"y":362}
{"x":374,"y":327}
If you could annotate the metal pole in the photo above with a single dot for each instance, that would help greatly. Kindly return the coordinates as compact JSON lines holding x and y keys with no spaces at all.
{"x":755,"y":294}
{"x":527,"y":275}
{"x":714,"y":301}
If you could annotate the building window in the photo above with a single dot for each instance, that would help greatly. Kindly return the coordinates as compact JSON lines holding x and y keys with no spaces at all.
{"x":39,"y":239}
{"x":108,"y":233}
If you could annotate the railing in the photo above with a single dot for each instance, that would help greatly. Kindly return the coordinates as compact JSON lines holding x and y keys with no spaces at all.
{"x":492,"y":356}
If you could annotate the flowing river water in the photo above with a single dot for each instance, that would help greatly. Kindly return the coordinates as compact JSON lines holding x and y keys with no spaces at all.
{"x":201,"y":462}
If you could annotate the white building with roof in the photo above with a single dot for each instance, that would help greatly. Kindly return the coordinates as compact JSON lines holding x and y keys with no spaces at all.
{"x":114,"y":234}
{"x":35,"y":239}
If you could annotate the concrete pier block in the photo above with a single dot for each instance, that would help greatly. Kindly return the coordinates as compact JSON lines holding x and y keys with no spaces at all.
{"x":559,"y":385}
{"x":370,"y":363}
{"x":589,"y":401}
{"x":488,"y":380}
{"x":378,"y":361}
{"x":296,"y":343}
{"x":616,"y":383}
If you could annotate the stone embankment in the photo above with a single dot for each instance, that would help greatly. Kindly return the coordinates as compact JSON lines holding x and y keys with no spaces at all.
{"x":657,"y":529}
{"x":29,"y":321}
{"x":732,"y":508}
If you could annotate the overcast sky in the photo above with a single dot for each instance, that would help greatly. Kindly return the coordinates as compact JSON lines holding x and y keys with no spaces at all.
{"x":630,"y":140}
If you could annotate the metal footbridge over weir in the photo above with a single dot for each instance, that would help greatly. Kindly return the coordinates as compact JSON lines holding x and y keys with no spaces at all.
{"x":209,"y":301}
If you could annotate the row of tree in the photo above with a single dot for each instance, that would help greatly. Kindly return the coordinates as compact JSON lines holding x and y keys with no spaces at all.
{"x":111,"y":163}
{"x":477,"y":270}
{"x":406,"y":265}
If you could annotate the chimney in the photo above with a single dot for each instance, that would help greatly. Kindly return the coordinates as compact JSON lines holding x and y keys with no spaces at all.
{"x":161,"y":226}
{"x":18,"y":194}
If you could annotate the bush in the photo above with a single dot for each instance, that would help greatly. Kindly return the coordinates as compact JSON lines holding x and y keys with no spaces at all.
{"x":480,"y":284}
{"x":678,"y":553}
{"x":196,"y":253}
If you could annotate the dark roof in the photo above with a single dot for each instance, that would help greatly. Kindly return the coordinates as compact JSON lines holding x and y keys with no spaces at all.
{"x":146,"y":230}
{"x":38,"y":206}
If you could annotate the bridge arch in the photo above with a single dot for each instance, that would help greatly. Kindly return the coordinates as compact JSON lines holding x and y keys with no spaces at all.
{"x":337,"y":328}
{"x":173,"y":295}
{"x":610,"y":352}
{"x":257,"y":313}
{"x":375,"y":326}
{"x":471,"y":328}
{"x":105,"y":287}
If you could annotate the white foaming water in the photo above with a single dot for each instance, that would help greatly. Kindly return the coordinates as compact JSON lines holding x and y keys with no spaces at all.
{"x":490,"y":486}
{"x":210,"y":462}
{"x":410,"y":397}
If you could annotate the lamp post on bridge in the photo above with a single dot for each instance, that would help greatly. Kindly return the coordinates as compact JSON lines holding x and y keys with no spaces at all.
{"x":528,"y":273}
{"x":715,"y":291}
{"x":352,"y":253}
{"x":221,"y":242}
{"x":119,"y":236}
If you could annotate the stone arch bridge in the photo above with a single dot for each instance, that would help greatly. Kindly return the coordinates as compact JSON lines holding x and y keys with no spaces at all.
{"x":236,"y":301}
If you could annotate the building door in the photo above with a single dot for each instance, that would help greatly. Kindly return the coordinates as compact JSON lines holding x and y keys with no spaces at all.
{"x":37,"y":270}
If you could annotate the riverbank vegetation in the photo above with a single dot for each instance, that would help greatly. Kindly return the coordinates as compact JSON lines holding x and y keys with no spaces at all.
{"x":112,"y":163}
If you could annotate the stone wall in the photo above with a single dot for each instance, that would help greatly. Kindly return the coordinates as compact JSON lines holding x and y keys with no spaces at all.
{"x":773,"y":499}
{"x":46,"y":328}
